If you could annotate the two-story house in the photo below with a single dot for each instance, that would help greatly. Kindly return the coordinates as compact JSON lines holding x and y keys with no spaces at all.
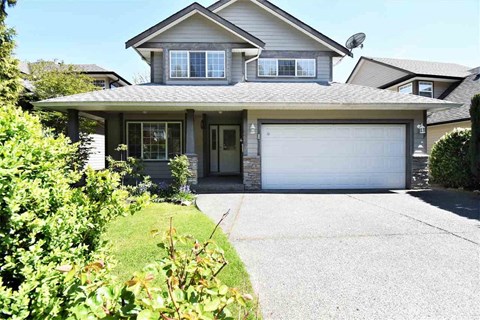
{"x":245,"y":89}
{"x":446,"y":81}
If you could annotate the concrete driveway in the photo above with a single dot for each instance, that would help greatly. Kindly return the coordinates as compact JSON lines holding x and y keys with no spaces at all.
{"x":403,"y":255}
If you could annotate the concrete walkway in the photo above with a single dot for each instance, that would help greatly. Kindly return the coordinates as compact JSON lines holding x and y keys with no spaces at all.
{"x":406,"y":255}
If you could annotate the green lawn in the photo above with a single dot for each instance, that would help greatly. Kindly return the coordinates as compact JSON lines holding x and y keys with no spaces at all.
{"x":133,"y":246}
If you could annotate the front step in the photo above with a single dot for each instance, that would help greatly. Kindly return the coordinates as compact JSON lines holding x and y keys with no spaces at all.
{"x":218,"y":187}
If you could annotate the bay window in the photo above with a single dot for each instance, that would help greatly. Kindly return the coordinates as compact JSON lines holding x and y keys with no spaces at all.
{"x":197,"y":64}
{"x":154,"y":140}
{"x":286,"y":68}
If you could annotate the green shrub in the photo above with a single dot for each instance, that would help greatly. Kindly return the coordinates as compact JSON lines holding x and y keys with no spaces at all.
{"x":183,"y":285}
{"x":46,"y":222}
{"x":449,"y":161}
{"x":179,"y":167}
{"x":475,"y":139}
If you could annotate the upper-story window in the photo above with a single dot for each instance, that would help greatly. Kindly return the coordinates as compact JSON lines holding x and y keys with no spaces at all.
{"x":197,"y":64}
{"x":425,"y":89}
{"x":287,"y":68}
{"x":406,"y":88}
{"x":100,"y":83}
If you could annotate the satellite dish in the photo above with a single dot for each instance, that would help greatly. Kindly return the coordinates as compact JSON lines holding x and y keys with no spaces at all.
{"x":355,"y":41}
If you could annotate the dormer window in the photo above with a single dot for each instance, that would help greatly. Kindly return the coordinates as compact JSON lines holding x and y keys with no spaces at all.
{"x":406,"y":88}
{"x":425,"y":89}
{"x":197,"y":64}
{"x":287,"y":68}
{"x":100,"y":84}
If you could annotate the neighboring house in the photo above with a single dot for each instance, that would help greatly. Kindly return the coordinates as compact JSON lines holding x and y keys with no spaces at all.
{"x":446,"y":81}
{"x":243,"y":88}
{"x":102,"y":78}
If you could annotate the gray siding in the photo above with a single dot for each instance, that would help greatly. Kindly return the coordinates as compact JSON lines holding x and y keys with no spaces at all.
{"x":157,"y":67}
{"x":323,"y":63}
{"x":196,"y":29}
{"x":372,"y":74}
{"x":439,"y":87}
{"x":277,"y":34}
{"x":237,"y":67}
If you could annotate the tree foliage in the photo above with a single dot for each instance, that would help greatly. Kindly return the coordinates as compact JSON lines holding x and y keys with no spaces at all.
{"x":51,"y":79}
{"x":475,"y":139}
{"x":10,"y":82}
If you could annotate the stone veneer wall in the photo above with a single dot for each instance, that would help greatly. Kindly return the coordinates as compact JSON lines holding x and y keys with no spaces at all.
{"x":193,"y":160}
{"x":251,"y":173}
{"x":420,"y":172}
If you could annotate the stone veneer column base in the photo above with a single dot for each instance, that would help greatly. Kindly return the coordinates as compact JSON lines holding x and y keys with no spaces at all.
{"x":251,"y":173}
{"x":420,"y":172}
{"x":193,"y":167}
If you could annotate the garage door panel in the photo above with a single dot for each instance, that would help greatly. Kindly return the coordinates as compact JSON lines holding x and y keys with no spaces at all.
{"x":333,"y":156}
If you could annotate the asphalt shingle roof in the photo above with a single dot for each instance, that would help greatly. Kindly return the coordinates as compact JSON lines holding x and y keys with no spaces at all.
{"x":469,"y":87}
{"x":249,"y":92}
{"x":426,"y":67}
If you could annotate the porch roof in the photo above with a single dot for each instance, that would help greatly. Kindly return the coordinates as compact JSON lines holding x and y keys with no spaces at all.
{"x":248,"y":95}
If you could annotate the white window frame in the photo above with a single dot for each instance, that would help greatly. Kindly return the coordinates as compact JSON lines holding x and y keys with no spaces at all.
{"x":296,"y":68}
{"x":410,"y":84}
{"x":425,"y":82}
{"x":166,"y":137}
{"x":206,"y":64}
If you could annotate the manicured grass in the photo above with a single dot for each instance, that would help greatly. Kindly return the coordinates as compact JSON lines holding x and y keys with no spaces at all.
{"x":133,"y":246}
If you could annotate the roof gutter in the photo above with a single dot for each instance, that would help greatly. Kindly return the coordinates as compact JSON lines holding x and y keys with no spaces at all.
{"x":251,"y":60}
{"x":233,"y":106}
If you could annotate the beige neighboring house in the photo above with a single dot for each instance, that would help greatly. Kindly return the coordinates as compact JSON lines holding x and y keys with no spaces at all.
{"x":104,"y":79}
{"x":446,"y":81}
{"x":245,"y":90}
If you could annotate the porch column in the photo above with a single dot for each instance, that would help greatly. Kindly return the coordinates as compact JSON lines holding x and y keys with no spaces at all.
{"x":190,"y":146}
{"x":73,"y":125}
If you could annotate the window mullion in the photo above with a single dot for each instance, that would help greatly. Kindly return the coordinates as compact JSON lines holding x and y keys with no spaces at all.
{"x":276,"y":75}
{"x":206,"y":64}
{"x":188,"y":64}
{"x":296,"y":75}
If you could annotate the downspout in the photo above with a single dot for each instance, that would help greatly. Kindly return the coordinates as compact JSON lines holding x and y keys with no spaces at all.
{"x":110,"y":83}
{"x":251,"y":60}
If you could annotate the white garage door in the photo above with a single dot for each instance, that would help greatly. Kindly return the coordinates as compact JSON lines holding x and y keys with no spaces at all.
{"x":314,"y":156}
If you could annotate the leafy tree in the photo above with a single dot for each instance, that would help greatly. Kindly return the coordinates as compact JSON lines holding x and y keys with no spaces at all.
{"x":10,"y":82}
{"x":3,"y":8}
{"x":51,"y":79}
{"x":475,"y":138}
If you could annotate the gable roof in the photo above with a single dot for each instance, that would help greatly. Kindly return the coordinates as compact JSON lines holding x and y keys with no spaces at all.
{"x":185,"y":13}
{"x":246,"y":95}
{"x":320,"y":37}
{"x":462,"y":93}
{"x":419,"y":67}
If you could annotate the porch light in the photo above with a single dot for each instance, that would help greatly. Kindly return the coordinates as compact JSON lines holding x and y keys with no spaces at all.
{"x":421,"y":128}
{"x":253,"y":129}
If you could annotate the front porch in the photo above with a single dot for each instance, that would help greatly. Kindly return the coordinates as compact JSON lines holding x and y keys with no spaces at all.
{"x":214,"y":142}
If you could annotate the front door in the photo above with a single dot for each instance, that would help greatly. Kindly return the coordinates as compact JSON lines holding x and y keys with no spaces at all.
{"x":225,"y":149}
